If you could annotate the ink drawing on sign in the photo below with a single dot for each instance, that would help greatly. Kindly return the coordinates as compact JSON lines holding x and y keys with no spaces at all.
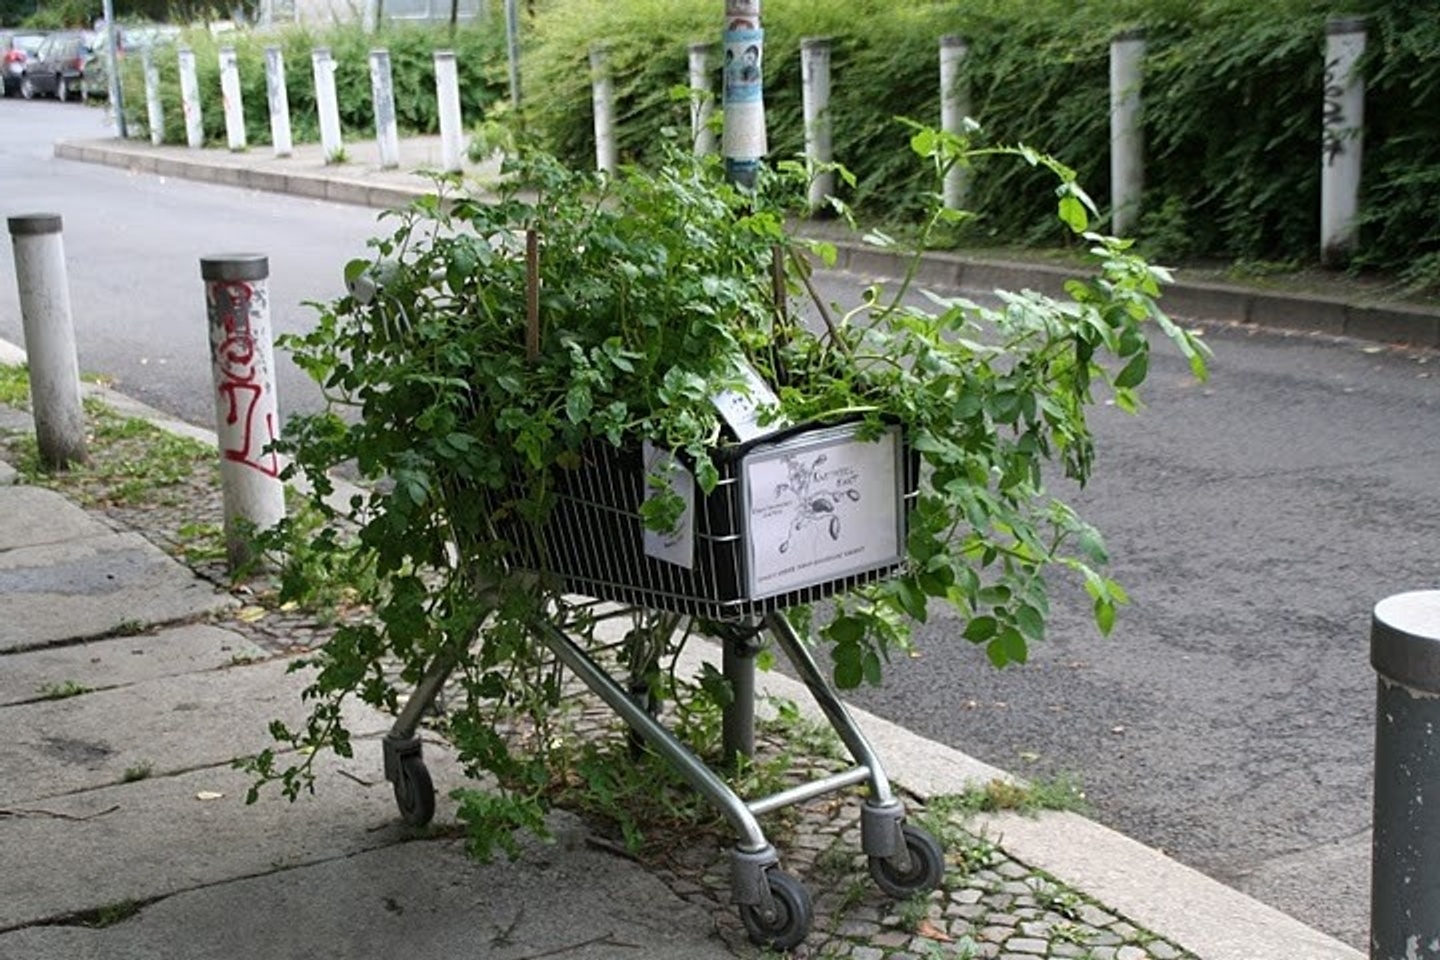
{"x":676,"y":546}
{"x":822,"y":506}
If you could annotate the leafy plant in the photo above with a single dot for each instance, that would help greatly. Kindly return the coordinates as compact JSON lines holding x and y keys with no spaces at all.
{"x":468,"y":404}
{"x":63,"y":690}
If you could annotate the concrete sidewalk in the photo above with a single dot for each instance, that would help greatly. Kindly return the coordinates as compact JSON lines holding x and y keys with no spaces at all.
{"x":130,"y":684}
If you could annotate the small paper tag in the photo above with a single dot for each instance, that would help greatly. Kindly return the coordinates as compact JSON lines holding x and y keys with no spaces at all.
{"x":676,"y":546}
{"x":741,"y":408}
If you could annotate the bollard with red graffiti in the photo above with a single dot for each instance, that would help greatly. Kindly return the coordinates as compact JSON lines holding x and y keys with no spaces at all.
{"x":247,"y":414}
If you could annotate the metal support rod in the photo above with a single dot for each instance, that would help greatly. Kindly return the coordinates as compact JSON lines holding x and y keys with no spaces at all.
{"x":247,"y":417}
{"x":447,"y":98}
{"x":112,"y":69}
{"x":602,"y":97}
{"x":1127,"y":164}
{"x":154,"y":112}
{"x":382,"y":89}
{"x":190,"y":99}
{"x":424,"y":694}
{"x":49,"y":339}
{"x":854,"y":739}
{"x":737,"y":665}
{"x":695,"y":773}
{"x":954,"y":108}
{"x":815,"y":96}
{"x":327,"y":105}
{"x":702,"y":99}
{"x":512,"y":49}
{"x":1405,"y":871}
{"x":810,"y":790}
{"x":1343,"y":140}
{"x":232,"y":99}
{"x":278,"y":100}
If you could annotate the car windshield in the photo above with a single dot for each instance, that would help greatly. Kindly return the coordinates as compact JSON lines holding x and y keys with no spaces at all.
{"x":29,"y":42}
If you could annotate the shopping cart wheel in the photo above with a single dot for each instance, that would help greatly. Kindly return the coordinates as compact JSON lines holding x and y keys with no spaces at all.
{"x":789,"y":921}
{"x":414,"y":791}
{"x":926,"y":870}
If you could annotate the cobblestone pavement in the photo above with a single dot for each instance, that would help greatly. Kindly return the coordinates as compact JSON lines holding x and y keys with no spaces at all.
{"x":989,"y":906}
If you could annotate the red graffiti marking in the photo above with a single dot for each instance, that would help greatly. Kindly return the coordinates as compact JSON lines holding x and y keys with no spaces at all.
{"x":240,"y":384}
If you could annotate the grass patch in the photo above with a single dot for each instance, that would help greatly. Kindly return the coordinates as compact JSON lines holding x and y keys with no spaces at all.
{"x":63,"y":690}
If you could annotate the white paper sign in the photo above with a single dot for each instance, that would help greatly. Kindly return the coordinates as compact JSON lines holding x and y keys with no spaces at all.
{"x":821,"y":507}
{"x":678,"y":545}
{"x":741,"y":408}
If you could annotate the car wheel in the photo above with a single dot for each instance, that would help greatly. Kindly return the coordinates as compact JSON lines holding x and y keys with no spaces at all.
{"x":62,"y":89}
{"x":27,"y":88}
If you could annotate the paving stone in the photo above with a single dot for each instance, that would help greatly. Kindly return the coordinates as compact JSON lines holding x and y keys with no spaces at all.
{"x":966,"y":896}
{"x":1094,"y":916}
{"x":1001,"y":920}
{"x":1161,"y":950}
{"x":867,"y":953}
{"x":1131,"y":953}
{"x":1030,"y":945}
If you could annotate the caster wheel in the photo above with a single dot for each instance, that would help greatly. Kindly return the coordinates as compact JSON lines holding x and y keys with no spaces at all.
{"x":789,"y":923}
{"x":927,"y":866}
{"x":414,"y":792}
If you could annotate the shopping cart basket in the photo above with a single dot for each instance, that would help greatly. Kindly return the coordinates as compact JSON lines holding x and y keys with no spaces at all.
{"x":798,"y":515}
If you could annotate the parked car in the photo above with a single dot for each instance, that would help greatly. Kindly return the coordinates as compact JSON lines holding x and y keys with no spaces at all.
{"x":134,"y":39}
{"x":16,"y":47}
{"x":58,"y":68}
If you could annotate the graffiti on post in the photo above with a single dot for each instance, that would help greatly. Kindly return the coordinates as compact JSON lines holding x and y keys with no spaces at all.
{"x":241,"y":380}
{"x":1334,"y":117}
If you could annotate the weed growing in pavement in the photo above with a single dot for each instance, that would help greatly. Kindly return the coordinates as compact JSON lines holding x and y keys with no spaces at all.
{"x":1059,"y":793}
{"x":807,"y":736}
{"x":914,"y":910}
{"x":14,"y":386}
{"x":138,"y":771}
{"x":63,"y":690}
{"x":111,"y":914}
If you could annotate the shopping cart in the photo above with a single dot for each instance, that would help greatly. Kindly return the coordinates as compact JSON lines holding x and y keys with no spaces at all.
{"x":798,"y":515}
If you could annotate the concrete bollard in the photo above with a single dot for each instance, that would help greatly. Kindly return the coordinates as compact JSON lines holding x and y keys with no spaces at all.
{"x":602,"y":98}
{"x":815,"y":104}
{"x":190,"y":99}
{"x":247,"y":414}
{"x":278,"y":99}
{"x":1342,"y":141}
{"x":447,"y":97}
{"x":702,"y":99}
{"x":1405,"y":870}
{"x":49,"y":339}
{"x":954,"y":109}
{"x":1127,"y":139}
{"x":154,"y":112}
{"x":382,"y":94}
{"x":327,"y":105}
{"x":744,"y":143}
{"x":233,"y":100}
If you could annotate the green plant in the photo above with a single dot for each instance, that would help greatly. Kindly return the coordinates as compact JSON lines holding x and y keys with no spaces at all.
{"x":14,"y":386}
{"x":138,"y":771}
{"x":112,"y":914}
{"x":913,"y":910}
{"x":468,"y":411}
{"x":63,"y":690}
{"x":1057,"y":793}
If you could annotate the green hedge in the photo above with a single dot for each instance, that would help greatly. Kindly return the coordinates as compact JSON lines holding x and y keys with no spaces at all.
{"x":1232,"y":93}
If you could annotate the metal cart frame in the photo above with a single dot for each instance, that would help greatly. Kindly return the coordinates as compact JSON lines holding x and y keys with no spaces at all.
{"x":601,"y":553}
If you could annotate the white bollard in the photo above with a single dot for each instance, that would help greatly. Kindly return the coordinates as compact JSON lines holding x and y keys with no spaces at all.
{"x":954,"y":109}
{"x":327,"y":105}
{"x":190,"y":99}
{"x":247,"y":414}
{"x":1127,"y":139}
{"x":512,"y":49}
{"x":278,"y":99}
{"x":702,"y":99}
{"x":49,"y":339}
{"x":602,"y":97}
{"x":743,"y":143}
{"x":815,"y":98}
{"x":382,"y":91}
{"x":154,"y":112}
{"x":447,"y":96}
{"x":233,"y":102}
{"x":1343,"y":141}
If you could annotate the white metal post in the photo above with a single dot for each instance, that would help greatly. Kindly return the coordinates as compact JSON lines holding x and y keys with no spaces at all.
{"x":954,"y":109}
{"x":744,"y":143}
{"x":247,"y":414}
{"x":278,"y":99}
{"x":387,"y":132}
{"x":1343,"y":139}
{"x":1127,"y":140}
{"x":512,"y":48}
{"x":190,"y":99}
{"x":49,"y":339}
{"x":702,"y":99}
{"x":447,"y":95}
{"x":326,"y":104}
{"x":602,"y":97}
{"x":154,"y":112}
{"x":230,"y":94}
{"x":815,"y":97}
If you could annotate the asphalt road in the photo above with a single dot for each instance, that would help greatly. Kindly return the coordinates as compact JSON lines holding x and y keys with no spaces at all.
{"x":1255,"y":521}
